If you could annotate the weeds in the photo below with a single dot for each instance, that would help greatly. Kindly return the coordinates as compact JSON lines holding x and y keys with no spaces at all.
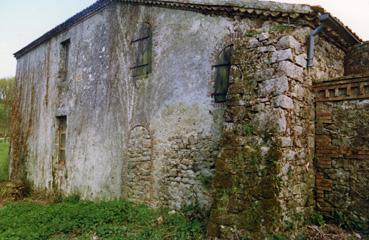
{"x":316,"y":219}
{"x":83,"y":220}
{"x":4,"y":150}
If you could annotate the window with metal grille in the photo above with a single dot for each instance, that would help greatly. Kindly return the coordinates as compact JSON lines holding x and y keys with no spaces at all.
{"x":61,"y":138}
{"x":142,"y":46}
{"x":222,"y":73}
{"x":64,"y":60}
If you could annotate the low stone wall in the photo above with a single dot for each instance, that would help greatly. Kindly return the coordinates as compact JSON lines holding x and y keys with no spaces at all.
{"x":342,"y":148}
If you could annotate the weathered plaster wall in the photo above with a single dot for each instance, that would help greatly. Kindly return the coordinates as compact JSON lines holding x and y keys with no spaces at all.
{"x":173,"y":103}
{"x":42,"y":97}
{"x":157,"y":136}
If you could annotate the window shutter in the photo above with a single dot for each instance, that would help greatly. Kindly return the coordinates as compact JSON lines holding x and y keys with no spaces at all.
{"x":142,"y":46}
{"x":64,"y":58}
{"x":223,"y":68}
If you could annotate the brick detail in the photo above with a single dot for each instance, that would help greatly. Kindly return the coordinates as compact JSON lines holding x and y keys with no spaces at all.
{"x":342,"y":147}
{"x":341,"y":89}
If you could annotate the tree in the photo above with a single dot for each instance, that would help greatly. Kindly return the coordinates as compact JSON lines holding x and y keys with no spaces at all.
{"x":7,"y":93}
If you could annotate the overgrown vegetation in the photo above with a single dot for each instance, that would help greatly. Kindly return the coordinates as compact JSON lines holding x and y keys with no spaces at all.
{"x":7,"y":92}
{"x":282,"y":28}
{"x":351,"y":222}
{"x":339,"y":227}
{"x":84,"y":220}
{"x":251,"y":33}
{"x":4,"y":150}
{"x":316,"y":219}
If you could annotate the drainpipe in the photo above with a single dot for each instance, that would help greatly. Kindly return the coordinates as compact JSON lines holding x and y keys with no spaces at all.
{"x":323,"y":18}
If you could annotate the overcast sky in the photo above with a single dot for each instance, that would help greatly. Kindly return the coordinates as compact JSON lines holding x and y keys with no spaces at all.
{"x":22,"y":21}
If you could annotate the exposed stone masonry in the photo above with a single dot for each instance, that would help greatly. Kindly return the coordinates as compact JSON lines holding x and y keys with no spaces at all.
{"x":342,"y":159}
{"x":139,"y":170}
{"x":357,"y":60}
{"x":264,"y":175}
{"x":189,"y":171}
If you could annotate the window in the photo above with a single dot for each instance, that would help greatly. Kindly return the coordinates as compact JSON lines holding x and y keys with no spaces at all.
{"x":223,"y":68}
{"x":61,"y":138}
{"x":64,"y":58}
{"x":142,"y":46}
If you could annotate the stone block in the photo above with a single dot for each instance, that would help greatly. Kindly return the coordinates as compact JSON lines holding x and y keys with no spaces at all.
{"x":288,"y":42}
{"x":254,"y":43}
{"x":285,"y":141}
{"x":264,"y":74}
{"x":298,"y":130}
{"x":263,"y":36}
{"x":298,"y":92}
{"x":291,"y":70}
{"x":266,"y":49}
{"x":274,"y":87}
{"x":301,"y":60}
{"x":281,"y":55}
{"x":283,"y":101}
{"x":290,"y":155}
{"x":280,"y":120}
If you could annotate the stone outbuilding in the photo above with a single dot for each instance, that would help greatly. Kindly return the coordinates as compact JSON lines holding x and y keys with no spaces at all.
{"x":255,"y":111}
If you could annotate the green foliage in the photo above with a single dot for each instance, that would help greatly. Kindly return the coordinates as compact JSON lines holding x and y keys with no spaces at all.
{"x":350,"y":221}
{"x":194,"y":212}
{"x":316,"y":219}
{"x":251,"y":33}
{"x":278,"y":237}
{"x":7,"y":94}
{"x":82,"y":220}
{"x":4,"y":150}
{"x":301,"y":236}
{"x":206,"y":181}
{"x":248,"y":129}
{"x":282,"y":28}
{"x":72,"y":199}
{"x":289,"y":225}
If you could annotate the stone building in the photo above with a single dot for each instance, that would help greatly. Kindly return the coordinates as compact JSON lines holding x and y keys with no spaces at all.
{"x":255,"y":111}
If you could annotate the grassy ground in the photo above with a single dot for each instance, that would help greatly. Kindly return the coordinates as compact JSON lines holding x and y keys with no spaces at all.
{"x":4,"y":149}
{"x":87,"y":220}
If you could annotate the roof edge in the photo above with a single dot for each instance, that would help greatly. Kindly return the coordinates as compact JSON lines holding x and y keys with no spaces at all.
{"x":222,"y":7}
{"x":77,"y":18}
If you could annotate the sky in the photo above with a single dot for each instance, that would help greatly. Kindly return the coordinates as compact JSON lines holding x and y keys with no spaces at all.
{"x":22,"y":21}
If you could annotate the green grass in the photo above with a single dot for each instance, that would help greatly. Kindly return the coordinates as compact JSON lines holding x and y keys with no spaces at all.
{"x":82,"y":220}
{"x":4,"y":149}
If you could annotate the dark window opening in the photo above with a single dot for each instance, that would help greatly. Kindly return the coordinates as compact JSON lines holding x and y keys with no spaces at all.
{"x":64,"y":59}
{"x":222,"y":74}
{"x":142,"y":46}
{"x":61,"y":139}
